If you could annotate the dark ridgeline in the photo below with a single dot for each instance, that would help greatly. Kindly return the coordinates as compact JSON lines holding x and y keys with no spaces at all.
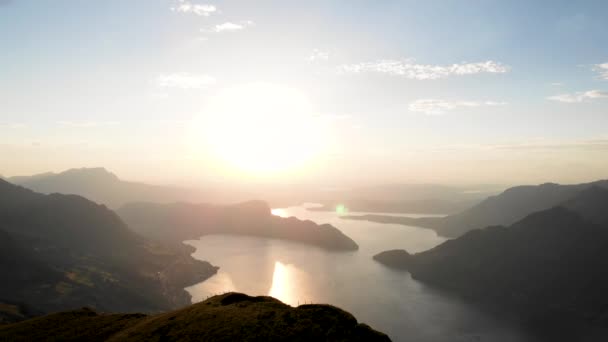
{"x":504,"y":209}
{"x":228,"y":317}
{"x":549,"y":268}
{"x":63,"y":251}
{"x":183,"y":221}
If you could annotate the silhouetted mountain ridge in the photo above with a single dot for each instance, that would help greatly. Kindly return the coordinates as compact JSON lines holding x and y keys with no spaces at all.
{"x":102,"y":186}
{"x":64,"y":251}
{"x":503,"y":209}
{"x":548,"y":267}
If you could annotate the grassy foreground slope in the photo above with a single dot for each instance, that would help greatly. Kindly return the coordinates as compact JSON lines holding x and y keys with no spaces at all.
{"x":228,"y":317}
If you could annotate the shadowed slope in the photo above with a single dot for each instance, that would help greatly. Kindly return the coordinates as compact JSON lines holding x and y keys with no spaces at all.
{"x":60,"y":252}
{"x":549,"y":268}
{"x":228,"y":317}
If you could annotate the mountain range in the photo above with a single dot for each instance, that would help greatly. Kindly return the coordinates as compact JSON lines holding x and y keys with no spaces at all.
{"x":548,"y":268}
{"x":506,"y":208}
{"x":104,"y":187}
{"x":64,"y":251}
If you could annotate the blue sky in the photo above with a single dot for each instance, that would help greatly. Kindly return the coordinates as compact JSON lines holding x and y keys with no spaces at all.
{"x":406,"y":91}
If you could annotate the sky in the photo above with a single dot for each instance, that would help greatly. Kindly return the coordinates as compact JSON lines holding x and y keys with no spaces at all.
{"x":332,"y":92}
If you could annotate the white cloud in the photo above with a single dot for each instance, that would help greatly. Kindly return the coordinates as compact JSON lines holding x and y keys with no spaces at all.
{"x":318,"y":56}
{"x":410,"y":69}
{"x":86,"y":124}
{"x":229,"y":27}
{"x":13,"y":125}
{"x":557,"y":84}
{"x":537,"y":144}
{"x":438,"y":107}
{"x":602,"y":70}
{"x":184,"y":80}
{"x":578,"y":97}
{"x":204,"y":10}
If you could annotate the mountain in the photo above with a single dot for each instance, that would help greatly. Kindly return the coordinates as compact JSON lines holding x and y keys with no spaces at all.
{"x":504,"y":209}
{"x":104,"y":187}
{"x":60,"y":252}
{"x":183,"y":221}
{"x":592,"y":204}
{"x":228,"y":317}
{"x":549,"y":267}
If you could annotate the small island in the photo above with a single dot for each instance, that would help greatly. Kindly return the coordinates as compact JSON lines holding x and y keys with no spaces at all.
{"x":395,"y":258}
{"x":177,"y":222}
{"x":227,"y":317}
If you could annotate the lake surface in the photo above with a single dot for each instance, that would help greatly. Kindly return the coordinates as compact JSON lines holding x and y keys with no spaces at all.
{"x":388,"y":300}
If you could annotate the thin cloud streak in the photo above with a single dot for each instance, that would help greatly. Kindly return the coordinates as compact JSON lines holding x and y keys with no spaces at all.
{"x":229,"y":27}
{"x":204,"y":10}
{"x":578,"y":97}
{"x":15,"y":125}
{"x":318,"y":56}
{"x":184,"y":80}
{"x":602,"y":70}
{"x":87,"y":124}
{"x":439,"y":107}
{"x":411,"y":70}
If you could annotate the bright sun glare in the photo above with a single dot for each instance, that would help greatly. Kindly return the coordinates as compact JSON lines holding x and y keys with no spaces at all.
{"x":261,"y":128}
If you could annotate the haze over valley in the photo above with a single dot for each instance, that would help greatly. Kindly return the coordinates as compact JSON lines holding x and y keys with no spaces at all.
{"x":180,"y":170}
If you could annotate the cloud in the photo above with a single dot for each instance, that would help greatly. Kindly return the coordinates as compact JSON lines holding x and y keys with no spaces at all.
{"x":438,"y":107}
{"x":318,"y":56}
{"x":602,"y":70}
{"x":184,"y":80}
{"x":411,"y":70}
{"x":578,"y":97}
{"x":87,"y":124}
{"x":534,"y":145}
{"x":204,"y":10}
{"x":229,"y":27}
{"x":13,"y":125}
{"x":543,"y":144}
{"x":556,"y":84}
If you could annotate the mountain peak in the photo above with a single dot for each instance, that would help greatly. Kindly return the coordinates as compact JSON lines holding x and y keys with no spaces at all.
{"x":95,"y":172}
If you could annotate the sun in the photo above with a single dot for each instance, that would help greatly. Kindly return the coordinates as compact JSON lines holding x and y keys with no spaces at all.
{"x":261,"y":128}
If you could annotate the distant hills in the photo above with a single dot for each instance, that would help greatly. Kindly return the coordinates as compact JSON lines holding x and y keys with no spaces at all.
{"x":425,"y":206}
{"x":404,"y":198}
{"x":228,"y":317}
{"x":506,"y":208}
{"x":102,"y":186}
{"x":183,"y":221}
{"x":549,"y":267}
{"x":63,"y":251}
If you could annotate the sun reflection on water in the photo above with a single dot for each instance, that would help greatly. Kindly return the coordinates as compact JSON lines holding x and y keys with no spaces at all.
{"x":280,"y":212}
{"x":283,"y":284}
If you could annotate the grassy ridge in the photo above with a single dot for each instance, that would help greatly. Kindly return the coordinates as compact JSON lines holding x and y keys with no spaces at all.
{"x":228,"y":317}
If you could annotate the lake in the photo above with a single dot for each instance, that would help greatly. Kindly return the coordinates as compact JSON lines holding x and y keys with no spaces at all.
{"x":388,"y":300}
